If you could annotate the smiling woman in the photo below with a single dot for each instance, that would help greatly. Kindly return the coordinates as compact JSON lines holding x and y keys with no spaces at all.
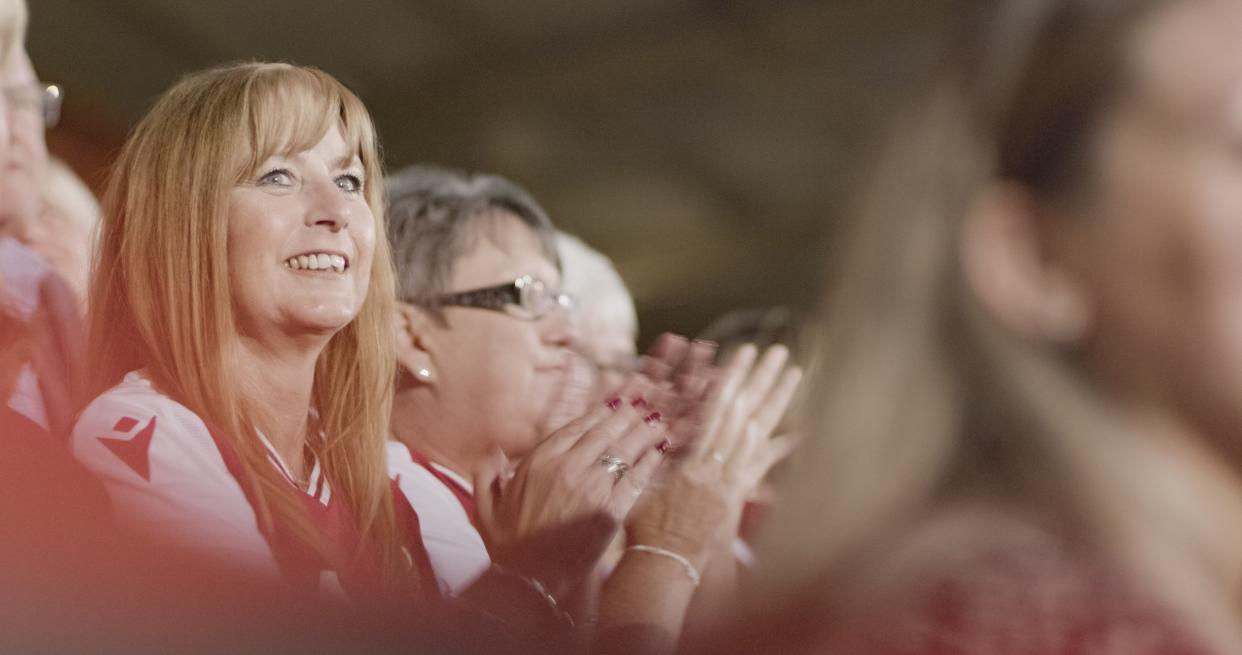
{"x":239,"y":400}
{"x":300,"y":241}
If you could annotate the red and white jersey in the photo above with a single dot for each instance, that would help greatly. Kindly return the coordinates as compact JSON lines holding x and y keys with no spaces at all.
{"x":169,"y":480}
{"x":444,"y":503}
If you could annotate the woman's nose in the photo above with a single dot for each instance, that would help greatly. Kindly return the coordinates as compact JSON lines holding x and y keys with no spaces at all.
{"x":329,"y":206}
{"x":559,"y":328}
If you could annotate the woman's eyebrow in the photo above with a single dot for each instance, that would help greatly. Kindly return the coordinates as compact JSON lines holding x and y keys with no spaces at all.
{"x":349,"y":160}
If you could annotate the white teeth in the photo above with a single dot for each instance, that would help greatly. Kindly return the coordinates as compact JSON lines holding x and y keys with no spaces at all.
{"x":317,"y":262}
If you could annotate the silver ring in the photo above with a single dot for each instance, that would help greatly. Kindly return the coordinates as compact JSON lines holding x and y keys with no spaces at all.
{"x":614,"y":465}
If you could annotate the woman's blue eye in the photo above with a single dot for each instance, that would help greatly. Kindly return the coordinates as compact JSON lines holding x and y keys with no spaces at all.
{"x":279,"y":177}
{"x":349,"y":183}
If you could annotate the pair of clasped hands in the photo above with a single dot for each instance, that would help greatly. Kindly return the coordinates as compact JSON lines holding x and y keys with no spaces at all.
{"x":695,"y":440}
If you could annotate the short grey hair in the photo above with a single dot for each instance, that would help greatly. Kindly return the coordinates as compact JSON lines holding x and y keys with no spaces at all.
{"x":429,"y":211}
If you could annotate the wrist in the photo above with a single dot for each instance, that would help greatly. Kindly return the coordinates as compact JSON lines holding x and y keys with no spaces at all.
{"x":692,"y":572}
{"x":521,"y":602}
{"x":544,"y":576}
{"x":696,"y":550}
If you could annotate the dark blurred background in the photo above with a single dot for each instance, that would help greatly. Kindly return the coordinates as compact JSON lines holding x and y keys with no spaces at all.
{"x":705,"y":146}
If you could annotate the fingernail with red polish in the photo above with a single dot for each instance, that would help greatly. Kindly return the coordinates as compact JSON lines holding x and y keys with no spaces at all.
{"x":614,"y":403}
{"x":653,"y":418}
{"x":639,"y":402}
{"x":664,"y":446}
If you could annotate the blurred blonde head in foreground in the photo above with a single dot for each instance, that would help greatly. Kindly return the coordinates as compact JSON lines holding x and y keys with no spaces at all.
{"x":1036,"y":331}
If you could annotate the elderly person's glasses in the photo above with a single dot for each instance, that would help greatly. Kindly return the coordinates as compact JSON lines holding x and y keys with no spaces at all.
{"x":531,"y":296}
{"x":40,"y":97}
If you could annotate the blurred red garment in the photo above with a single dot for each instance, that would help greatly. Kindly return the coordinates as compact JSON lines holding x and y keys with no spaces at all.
{"x":1018,"y":592}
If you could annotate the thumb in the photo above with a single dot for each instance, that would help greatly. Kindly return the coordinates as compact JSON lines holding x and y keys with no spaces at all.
{"x":490,"y":477}
{"x":777,"y":449}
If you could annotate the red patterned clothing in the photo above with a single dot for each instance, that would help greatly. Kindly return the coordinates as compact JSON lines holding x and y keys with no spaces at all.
{"x":174,"y":481}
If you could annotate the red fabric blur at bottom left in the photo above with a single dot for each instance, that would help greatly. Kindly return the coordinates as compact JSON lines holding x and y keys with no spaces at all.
{"x":47,"y":499}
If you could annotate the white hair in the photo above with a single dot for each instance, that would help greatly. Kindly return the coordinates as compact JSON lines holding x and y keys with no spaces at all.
{"x":603,"y":300}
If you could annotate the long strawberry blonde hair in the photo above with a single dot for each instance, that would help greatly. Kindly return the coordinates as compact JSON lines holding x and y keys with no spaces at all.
{"x":160,"y":296}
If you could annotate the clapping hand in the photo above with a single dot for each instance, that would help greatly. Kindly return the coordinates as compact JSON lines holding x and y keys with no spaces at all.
{"x":702,"y":492}
{"x":552,"y":517}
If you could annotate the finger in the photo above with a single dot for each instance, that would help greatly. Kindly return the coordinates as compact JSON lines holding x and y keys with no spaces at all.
{"x":774,"y":451}
{"x":778,"y":448}
{"x":732,"y":377}
{"x":722,"y":402}
{"x":700,"y":412}
{"x":756,"y":427}
{"x":774,"y":406}
{"x":565,"y":438}
{"x":632,"y":393}
{"x":736,"y":372}
{"x":602,"y":438}
{"x":664,"y":356}
{"x":667,"y":346}
{"x":640,"y":438}
{"x":692,"y":374}
{"x":489,"y":477}
{"x":759,"y":384}
{"x":735,"y":437}
{"x":636,"y":386}
{"x":630,"y":488}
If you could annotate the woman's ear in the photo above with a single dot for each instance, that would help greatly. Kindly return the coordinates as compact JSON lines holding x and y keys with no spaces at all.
{"x":413,"y":356}
{"x":1009,"y":262}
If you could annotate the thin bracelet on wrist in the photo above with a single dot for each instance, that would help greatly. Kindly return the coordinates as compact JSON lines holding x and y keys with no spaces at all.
{"x":691,"y":571}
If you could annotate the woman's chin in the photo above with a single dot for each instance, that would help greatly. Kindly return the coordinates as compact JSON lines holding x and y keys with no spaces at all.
{"x":324,"y":321}
{"x":516,"y":446}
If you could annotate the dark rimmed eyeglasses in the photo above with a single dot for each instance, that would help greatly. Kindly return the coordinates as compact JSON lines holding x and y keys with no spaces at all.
{"x":529,"y":295}
{"x":40,"y":97}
